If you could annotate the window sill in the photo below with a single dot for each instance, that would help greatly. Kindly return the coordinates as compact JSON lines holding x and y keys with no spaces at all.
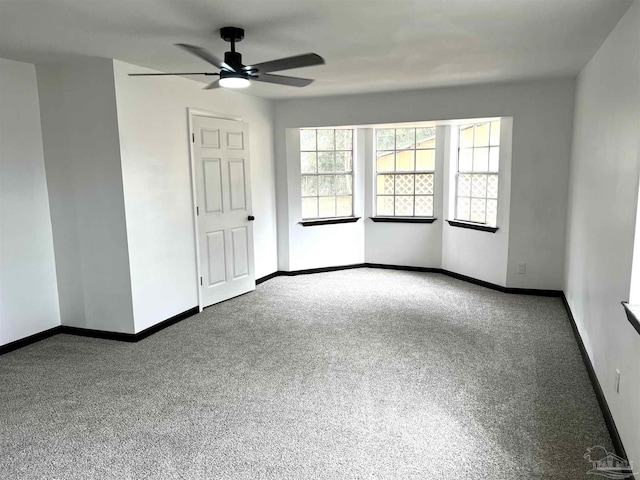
{"x":403,"y":219}
{"x":472,"y":226}
{"x":328,"y":221}
{"x":633,"y":314}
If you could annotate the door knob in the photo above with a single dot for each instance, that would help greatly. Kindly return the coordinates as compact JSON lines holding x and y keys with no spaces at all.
{"x":251,"y":218}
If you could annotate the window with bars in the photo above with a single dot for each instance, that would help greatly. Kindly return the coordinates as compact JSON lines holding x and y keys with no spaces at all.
{"x":326,"y":160}
{"x":477,"y":174}
{"x":405,"y":166}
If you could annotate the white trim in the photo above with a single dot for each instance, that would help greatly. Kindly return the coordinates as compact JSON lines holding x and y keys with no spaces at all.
{"x":194,"y":112}
{"x":205,"y":113}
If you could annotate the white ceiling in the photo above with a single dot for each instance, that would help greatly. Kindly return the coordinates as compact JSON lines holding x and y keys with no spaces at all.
{"x":369,"y":45}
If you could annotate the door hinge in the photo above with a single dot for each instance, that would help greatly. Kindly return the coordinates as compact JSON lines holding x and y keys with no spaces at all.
{"x":197,"y":210}
{"x":200,"y":280}
{"x":193,"y":138}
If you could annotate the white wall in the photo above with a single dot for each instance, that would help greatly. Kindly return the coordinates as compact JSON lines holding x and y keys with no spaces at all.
{"x":542,"y":112}
{"x":605,"y":167}
{"x":412,"y":244}
{"x":154,"y":142}
{"x":28,"y":286}
{"x":322,"y":245}
{"x":82,"y":158}
{"x":478,"y":254}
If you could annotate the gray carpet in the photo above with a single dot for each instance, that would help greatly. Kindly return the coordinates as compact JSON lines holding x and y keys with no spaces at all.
{"x":353,"y":374}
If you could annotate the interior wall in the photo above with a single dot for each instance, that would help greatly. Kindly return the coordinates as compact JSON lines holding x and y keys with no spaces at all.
{"x":408,"y":244}
{"x":542,"y":112}
{"x":28,"y":285}
{"x":323,"y":245}
{"x":154,"y":142}
{"x":84,"y":178}
{"x":605,"y":168}
{"x":478,"y":254}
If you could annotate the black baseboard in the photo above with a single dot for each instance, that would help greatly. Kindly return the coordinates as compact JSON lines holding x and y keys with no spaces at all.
{"x":602,"y":401}
{"x":267,"y":277}
{"x":23,"y":342}
{"x":88,"y":332}
{"x":166,"y":323}
{"x":406,"y":268}
{"x":459,"y":276}
{"x":500,"y":288}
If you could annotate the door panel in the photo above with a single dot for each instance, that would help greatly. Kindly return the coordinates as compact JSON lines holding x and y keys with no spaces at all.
{"x":216,"y":258}
{"x":240,"y":252}
{"x":223,"y":196}
{"x":237,"y":183}
{"x":212,"y":185}
{"x":235,"y":140}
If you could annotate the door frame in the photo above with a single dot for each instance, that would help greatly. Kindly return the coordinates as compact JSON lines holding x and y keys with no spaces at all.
{"x":196,"y":112}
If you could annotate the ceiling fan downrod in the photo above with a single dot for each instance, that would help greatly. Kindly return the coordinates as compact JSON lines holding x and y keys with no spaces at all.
{"x":233,"y":35}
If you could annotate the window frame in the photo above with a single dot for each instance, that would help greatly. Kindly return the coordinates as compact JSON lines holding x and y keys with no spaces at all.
{"x":473,"y":224}
{"x":306,"y":221}
{"x":395,"y":173}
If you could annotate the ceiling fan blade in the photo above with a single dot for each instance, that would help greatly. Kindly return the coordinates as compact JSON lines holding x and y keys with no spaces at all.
{"x":206,"y":56}
{"x":181,"y":73}
{"x":282,"y":80}
{"x":213,"y":85}
{"x":306,"y":60}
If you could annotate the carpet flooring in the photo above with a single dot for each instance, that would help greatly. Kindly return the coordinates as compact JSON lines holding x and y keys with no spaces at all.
{"x":364,"y":373}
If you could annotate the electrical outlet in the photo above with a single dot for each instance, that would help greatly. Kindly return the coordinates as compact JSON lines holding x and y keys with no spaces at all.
{"x":618,"y":375}
{"x":522,"y":268}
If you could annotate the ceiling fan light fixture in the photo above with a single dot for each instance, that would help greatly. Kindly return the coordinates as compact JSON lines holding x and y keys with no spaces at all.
{"x":234,"y":82}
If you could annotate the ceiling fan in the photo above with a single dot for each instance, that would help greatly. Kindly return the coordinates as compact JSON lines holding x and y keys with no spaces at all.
{"x":234,"y":74}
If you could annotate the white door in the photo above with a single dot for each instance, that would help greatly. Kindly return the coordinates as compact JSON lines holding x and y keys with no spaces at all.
{"x":223,"y":208}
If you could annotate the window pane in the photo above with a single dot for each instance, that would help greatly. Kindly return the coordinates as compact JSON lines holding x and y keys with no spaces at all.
{"x":494,"y":156}
{"x":426,"y":137}
{"x":326,"y":185}
{"x":492,"y":212}
{"x":482,"y":135}
{"x":325,"y":140}
{"x":495,"y":132}
{"x":344,"y":139}
{"x":404,"y":185}
{"x":308,"y":162}
{"x":479,"y":186}
{"x":424,"y":184}
{"x":464,"y":164}
{"x":424,"y":206}
{"x":385,"y":185}
{"x":462,"y":208}
{"x":384,"y":205}
{"x":466,"y":137}
{"x":385,"y":162}
{"x":478,"y":210}
{"x":404,"y":206}
{"x":307,"y":139}
{"x":405,"y":138}
{"x":344,"y":162}
{"x":344,"y":184}
{"x":309,"y":207}
{"x":326,"y":162}
{"x":343,"y":206}
{"x":327,"y":207}
{"x":492,"y":186}
{"x":309,"y":186}
{"x":464,"y":185}
{"x":480,"y":159}
{"x":404,"y":161}
{"x":425,"y":160}
{"x":385,"y":139}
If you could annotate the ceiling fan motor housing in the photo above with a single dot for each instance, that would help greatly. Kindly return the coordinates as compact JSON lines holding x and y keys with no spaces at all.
{"x":234,"y":59}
